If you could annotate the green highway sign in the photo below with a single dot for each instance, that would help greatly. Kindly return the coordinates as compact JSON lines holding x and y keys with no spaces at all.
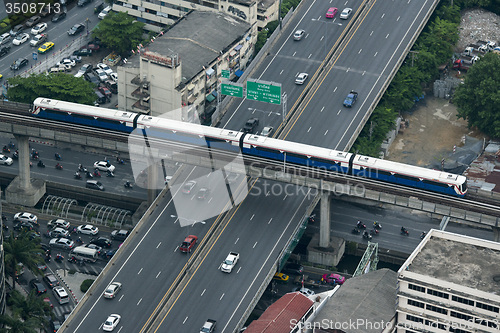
{"x":225,"y":73}
{"x":231,"y":90}
{"x":264,"y":91}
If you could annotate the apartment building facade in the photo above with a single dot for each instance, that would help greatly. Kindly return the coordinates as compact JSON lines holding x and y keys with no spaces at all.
{"x":450,"y":283}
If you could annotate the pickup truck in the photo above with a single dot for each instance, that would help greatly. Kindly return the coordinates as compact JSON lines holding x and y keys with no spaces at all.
{"x":230,"y":262}
{"x":209,"y":326}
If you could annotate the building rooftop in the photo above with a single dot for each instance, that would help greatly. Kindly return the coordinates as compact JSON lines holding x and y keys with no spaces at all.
{"x":367,"y":301}
{"x":279,"y":315}
{"x":463,"y":260}
{"x":199,"y":38}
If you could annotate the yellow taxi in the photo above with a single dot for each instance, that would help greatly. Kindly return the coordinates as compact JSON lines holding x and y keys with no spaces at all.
{"x":45,"y":47}
{"x":281,"y":277}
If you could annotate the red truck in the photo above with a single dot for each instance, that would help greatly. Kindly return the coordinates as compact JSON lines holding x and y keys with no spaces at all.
{"x":465,"y":62}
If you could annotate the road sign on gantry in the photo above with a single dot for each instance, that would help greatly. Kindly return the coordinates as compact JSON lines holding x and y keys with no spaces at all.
{"x":262,"y":91}
{"x":234,"y":90}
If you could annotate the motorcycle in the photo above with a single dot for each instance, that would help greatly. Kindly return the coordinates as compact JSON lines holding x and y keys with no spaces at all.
{"x":355,"y":231}
{"x":312,"y":218}
{"x":15,"y":155}
{"x":377,"y":225}
{"x":59,"y":257}
{"x":374,"y":232}
{"x":34,"y":156}
{"x":79,"y":241}
{"x":110,"y":174}
{"x":78,"y":175}
{"x":120,"y":161}
{"x":40,"y":164}
{"x":57,"y":156}
{"x":89,"y":175}
{"x":59,"y":166}
{"x":404,"y":232}
{"x":366,"y":235}
{"x":422,"y":235}
{"x":97,"y":173}
{"x":360,"y":225}
{"x":6,"y":149}
{"x":81,"y":168}
{"x":12,"y":145}
{"x":128,"y":185}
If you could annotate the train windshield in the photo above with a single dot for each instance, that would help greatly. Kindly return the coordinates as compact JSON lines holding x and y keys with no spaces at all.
{"x":463,"y":187}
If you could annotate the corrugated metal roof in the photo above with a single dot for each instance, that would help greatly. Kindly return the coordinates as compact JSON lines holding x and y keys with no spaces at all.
{"x":277,"y":317}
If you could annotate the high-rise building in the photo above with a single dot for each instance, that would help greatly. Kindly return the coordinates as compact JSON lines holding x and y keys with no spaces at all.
{"x":3,"y":294}
{"x":450,"y":283}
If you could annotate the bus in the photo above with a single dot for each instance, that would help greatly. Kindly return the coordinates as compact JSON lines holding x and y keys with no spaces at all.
{"x":85,"y":253}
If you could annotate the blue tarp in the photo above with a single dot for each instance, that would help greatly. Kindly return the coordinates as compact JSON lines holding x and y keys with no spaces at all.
{"x":238,"y":73}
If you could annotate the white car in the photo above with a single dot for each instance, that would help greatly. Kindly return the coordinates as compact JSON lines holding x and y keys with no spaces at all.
{"x":62,"y":243}
{"x":87,"y":229}
{"x":67,"y":62}
{"x":104,"y":166}
{"x":104,"y":12}
{"x":345,"y":13}
{"x":112,"y":290}
{"x":305,"y":291}
{"x":21,"y":39}
{"x":266,"y":131}
{"x":101,"y":74}
{"x":111,"y":322}
{"x":59,"y":232}
{"x":26,"y":217}
{"x":58,"y":223}
{"x":231,"y":260}
{"x":6,"y":160}
{"x":113,"y":76}
{"x":105,"y":68}
{"x":301,"y":78}
{"x":299,"y":34}
{"x":39,"y":28}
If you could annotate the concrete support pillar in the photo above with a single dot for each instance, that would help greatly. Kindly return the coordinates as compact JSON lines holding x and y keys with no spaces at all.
{"x":324,"y":228}
{"x":23,"y":190}
{"x":24,"y":162}
{"x":152,"y":183}
{"x":496,"y":234}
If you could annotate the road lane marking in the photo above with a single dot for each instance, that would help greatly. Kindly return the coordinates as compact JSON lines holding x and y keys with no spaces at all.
{"x":158,"y":274}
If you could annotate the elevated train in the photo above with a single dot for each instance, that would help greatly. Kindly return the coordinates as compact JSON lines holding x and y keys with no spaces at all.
{"x":253,"y":145}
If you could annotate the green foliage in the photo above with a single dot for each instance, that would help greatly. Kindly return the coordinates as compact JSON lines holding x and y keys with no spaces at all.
{"x":478,"y":99}
{"x":20,"y":250}
{"x":27,"y":314}
{"x":261,"y":40}
{"x":86,"y":285}
{"x":120,"y":32}
{"x":57,"y":86}
{"x":287,"y":5}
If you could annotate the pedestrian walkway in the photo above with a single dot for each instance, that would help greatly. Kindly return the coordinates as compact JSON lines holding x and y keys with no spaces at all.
{"x":72,"y":282}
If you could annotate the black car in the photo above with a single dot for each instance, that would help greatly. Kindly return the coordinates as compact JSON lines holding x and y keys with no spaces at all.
{"x":119,"y":234}
{"x":38,"y":287}
{"x":98,"y":8}
{"x":23,"y":226}
{"x":55,"y":325}
{"x":92,"y":78}
{"x":19,"y":63}
{"x":4,"y":50}
{"x":76,"y":29}
{"x":293,"y":268}
{"x":83,"y":52}
{"x":251,"y":125}
{"x":82,"y":3}
{"x":58,"y":16}
{"x":101,"y":241}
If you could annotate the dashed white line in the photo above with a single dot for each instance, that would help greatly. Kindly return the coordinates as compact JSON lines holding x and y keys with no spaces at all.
{"x":139,"y":301}
{"x":220,"y":299}
{"x":360,"y":51}
{"x":120,"y":298}
{"x":339,"y":112}
{"x":237,"y":239}
{"x":157,"y":246}
{"x":334,"y":90}
{"x":382,"y":16}
{"x":398,"y":18}
{"x":252,"y":217}
{"x":140,"y":271}
{"x":270,"y":220}
{"x":322,"y":109}
{"x":310,"y":55}
{"x":387,"y":36}
{"x":253,"y":247}
{"x":185,"y":320}
{"x":364,"y":72}
{"x":326,"y":132}
{"x":309,"y":129}
{"x":375,"y":54}
{"x":158,"y":274}
{"x":203,"y":292}
{"x":371,"y":33}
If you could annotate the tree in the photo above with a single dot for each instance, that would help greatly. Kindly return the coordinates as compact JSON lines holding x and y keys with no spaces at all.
{"x":120,"y":32}
{"x":478,"y":99}
{"x":21,"y":250}
{"x":31,"y":307}
{"x":14,"y":324}
{"x":57,"y":86}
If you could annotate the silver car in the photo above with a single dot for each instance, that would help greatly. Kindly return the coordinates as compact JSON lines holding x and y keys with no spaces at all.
{"x":299,"y":34}
{"x":345,"y":13}
{"x":301,"y":78}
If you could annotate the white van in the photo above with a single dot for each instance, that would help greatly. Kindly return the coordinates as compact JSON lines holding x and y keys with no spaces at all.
{"x":61,"y":295}
{"x":85,"y":253}
{"x":5,"y":38}
{"x":104,"y":12}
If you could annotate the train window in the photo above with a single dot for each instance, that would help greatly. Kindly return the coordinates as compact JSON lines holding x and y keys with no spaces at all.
{"x":294,"y":155}
{"x":320,"y":160}
{"x":267,"y":149}
{"x":407,"y":177}
{"x":463,"y":187}
{"x":431,"y":182}
{"x":382,"y":172}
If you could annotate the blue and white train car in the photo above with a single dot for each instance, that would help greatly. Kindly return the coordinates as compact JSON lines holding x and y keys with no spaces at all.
{"x":409,"y":175}
{"x":297,"y":153}
{"x":84,"y":114}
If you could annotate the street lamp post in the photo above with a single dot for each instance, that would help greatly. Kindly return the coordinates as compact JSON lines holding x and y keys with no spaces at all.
{"x":270,"y":112}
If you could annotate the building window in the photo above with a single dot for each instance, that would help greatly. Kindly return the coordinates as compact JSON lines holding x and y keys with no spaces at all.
{"x":462,"y":300}
{"x":415,"y":303}
{"x":457,"y":330}
{"x":413,"y":318}
{"x":436,"y":309}
{"x":435,"y":324}
{"x":460,"y":315}
{"x":487,"y":307}
{"x":416,"y":288}
{"x":437,"y":293}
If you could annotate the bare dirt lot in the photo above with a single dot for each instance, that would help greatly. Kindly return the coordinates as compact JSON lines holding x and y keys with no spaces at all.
{"x":433,"y":131}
